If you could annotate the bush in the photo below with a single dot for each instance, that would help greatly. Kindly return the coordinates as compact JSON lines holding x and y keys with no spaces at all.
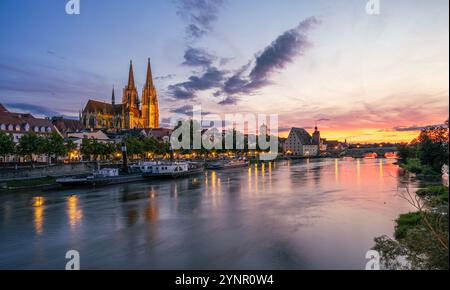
{"x":433,"y":190}
{"x":406,"y":222}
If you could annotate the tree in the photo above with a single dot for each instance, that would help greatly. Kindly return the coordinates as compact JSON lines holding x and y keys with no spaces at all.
{"x":7,"y":145}
{"x":134,"y":146}
{"x":53,"y":145}
{"x":406,"y":151}
{"x":70,"y":146}
{"x":87,"y":148}
{"x":428,"y":152}
{"x":421,"y":238}
{"x":433,"y":147}
{"x":30,"y":144}
{"x":150,"y":145}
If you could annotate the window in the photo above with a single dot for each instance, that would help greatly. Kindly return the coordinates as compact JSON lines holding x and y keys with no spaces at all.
{"x":36,"y":129}
{"x":42,"y":129}
{"x":3,"y":127}
{"x":10,"y":127}
{"x":17,"y":127}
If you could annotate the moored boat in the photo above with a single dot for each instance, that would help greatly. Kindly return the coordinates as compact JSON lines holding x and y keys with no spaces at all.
{"x":228,"y":165}
{"x":106,"y":176}
{"x":173,"y":170}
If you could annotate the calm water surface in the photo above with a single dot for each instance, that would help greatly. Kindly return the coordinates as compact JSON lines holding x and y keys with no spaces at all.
{"x":320,"y":214}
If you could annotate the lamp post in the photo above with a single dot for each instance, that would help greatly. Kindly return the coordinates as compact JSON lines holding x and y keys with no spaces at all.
{"x":124,"y":158}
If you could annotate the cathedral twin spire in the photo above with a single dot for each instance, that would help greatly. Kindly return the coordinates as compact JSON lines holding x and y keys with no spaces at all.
{"x":131,"y":84}
{"x":149,"y":115}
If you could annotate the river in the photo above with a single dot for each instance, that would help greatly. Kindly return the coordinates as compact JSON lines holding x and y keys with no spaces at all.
{"x":309,"y":214}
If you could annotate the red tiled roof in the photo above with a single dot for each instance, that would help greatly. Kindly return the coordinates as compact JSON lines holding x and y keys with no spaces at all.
{"x":3,"y":109}
{"x":8,"y":119}
{"x":66,"y":125}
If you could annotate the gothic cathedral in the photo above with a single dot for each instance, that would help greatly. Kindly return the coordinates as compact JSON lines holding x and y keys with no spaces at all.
{"x":131,"y":114}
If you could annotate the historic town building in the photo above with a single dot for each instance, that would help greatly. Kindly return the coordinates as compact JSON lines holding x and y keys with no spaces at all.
{"x":131,"y":113}
{"x":18,"y":124}
{"x":301,"y":143}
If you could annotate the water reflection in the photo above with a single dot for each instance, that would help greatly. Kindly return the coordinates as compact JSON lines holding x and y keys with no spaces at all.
{"x":74,"y":213}
{"x":38,"y":208}
{"x":307,"y":214}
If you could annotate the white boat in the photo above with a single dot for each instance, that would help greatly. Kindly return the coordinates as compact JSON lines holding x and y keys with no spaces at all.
{"x":173,"y":169}
{"x":142,"y":166}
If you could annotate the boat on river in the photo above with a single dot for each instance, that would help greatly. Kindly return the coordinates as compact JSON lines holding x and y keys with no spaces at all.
{"x":228,"y":164}
{"x":173,"y":170}
{"x":106,"y":176}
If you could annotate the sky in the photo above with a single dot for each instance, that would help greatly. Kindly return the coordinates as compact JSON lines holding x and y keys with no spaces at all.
{"x":360,"y":77}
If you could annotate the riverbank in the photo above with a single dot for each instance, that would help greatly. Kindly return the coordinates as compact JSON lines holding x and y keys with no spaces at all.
{"x":44,"y":183}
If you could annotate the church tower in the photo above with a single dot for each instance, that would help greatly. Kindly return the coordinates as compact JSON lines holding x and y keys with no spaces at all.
{"x":150,"y":110}
{"x":113,"y":97}
{"x":130,"y":103}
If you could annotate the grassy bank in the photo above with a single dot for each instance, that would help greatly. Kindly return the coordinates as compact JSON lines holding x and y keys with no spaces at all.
{"x":23,"y":184}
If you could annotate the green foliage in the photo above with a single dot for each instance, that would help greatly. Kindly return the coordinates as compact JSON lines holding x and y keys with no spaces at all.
{"x":436,"y":195}
{"x":421,"y":238}
{"x":7,"y":145}
{"x":30,"y":144}
{"x":405,"y":222}
{"x":433,"y":190}
{"x":92,"y":147}
{"x":406,"y":151}
{"x":135,"y":146}
{"x":53,"y":145}
{"x":427,"y":154}
{"x":31,"y":182}
{"x":70,"y":146}
{"x":433,"y":150}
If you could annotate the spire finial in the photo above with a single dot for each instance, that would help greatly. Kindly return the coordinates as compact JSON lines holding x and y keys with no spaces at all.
{"x":149,"y":82}
{"x":113,"y":98}
{"x":131,"y":76}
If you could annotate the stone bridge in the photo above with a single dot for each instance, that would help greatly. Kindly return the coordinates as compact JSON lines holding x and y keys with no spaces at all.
{"x":380,"y":151}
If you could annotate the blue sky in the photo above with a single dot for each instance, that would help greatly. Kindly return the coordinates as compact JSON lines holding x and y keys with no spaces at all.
{"x":389,"y":70}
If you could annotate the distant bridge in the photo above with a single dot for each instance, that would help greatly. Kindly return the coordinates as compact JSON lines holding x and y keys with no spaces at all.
{"x":361,"y":152}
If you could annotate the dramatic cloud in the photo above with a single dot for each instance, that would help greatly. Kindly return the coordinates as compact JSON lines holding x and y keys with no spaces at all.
{"x":198,"y":57}
{"x":230,"y":86}
{"x":212,"y":78}
{"x":54,"y":81}
{"x":187,"y":110}
{"x":166,"y":77}
{"x":415,"y":128}
{"x":402,"y":109}
{"x":199,"y":15}
{"x":178,"y":92}
{"x":33,"y":109}
{"x":282,"y":51}
{"x":229,"y":101}
{"x":52,"y":53}
{"x":276,"y":56}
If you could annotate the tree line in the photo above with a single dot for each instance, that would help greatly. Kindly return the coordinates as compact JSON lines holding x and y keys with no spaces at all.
{"x":426,"y":154}
{"x":53,"y":145}
{"x":421,"y":237}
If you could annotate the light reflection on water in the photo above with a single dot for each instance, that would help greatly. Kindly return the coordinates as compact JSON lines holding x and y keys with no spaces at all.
{"x":311,"y":214}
